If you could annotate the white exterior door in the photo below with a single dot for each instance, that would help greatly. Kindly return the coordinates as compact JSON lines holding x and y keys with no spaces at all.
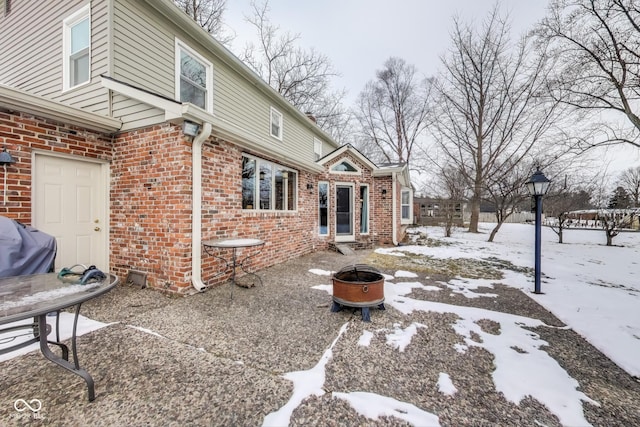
{"x":344,"y":213}
{"x":70,"y":203}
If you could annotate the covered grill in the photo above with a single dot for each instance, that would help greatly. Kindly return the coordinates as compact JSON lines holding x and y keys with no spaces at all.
{"x":360,"y":286}
{"x":24,"y":250}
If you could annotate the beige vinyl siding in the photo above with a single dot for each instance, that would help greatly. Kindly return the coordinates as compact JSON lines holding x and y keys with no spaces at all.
{"x":135,"y":114}
{"x":144,"y":52}
{"x":31,"y":51}
{"x":143,"y":57}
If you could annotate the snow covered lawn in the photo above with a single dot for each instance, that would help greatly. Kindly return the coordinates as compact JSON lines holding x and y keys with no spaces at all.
{"x":592,"y":288}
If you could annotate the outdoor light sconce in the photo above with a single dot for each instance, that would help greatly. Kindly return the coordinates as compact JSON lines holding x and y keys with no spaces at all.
{"x":5,"y":159}
{"x":538,"y":185}
{"x":190,"y":128}
{"x":309,"y":186}
{"x":384,"y":193}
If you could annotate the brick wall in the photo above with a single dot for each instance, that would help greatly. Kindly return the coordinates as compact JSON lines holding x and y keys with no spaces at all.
{"x":380,"y":206}
{"x":151,"y":209}
{"x":384,"y":210}
{"x":150,"y":200}
{"x":287,"y":234}
{"x":151,"y":206}
{"x":22,"y":133}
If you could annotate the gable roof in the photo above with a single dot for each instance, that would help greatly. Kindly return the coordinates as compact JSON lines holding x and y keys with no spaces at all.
{"x":385,"y":169}
{"x":347,"y":148}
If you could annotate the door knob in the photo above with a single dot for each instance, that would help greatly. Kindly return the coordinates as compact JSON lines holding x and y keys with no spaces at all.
{"x":97,"y":229}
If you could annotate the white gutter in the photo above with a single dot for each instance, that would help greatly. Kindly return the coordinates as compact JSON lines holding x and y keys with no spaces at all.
{"x":394,"y":226}
{"x":196,"y":213}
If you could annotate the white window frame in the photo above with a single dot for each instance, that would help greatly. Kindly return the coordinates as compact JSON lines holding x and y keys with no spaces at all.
{"x":280,"y":117}
{"x":368,"y":206}
{"x":328,"y":231}
{"x":272,"y":196}
{"x":357,"y":171}
{"x":317,"y":148}
{"x":70,"y":21}
{"x":409,"y":219}
{"x":182,"y":46}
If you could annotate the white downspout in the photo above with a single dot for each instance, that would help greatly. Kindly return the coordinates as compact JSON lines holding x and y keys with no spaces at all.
{"x":196,"y":196}
{"x":394,"y":227}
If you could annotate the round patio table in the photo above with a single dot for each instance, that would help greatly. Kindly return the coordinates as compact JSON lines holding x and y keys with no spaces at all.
{"x":231,"y":264}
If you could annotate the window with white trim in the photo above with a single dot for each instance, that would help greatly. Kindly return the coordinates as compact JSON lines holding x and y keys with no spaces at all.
{"x":344,"y":167}
{"x":193,"y":77}
{"x":317,"y":148}
{"x":323,"y":208}
{"x":364,"y":209}
{"x":276,"y":124}
{"x":76,"y":48}
{"x":405,"y":204}
{"x":268,"y":186}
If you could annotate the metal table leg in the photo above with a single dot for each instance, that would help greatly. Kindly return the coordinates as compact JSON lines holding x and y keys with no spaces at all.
{"x":61,"y":361}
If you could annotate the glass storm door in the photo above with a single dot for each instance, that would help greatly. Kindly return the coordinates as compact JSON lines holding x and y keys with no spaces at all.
{"x":344,"y":213}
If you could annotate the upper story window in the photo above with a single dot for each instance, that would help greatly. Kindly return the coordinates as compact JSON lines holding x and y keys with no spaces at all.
{"x":276,"y":124}
{"x":193,"y":77}
{"x":76,"y":66}
{"x":317,"y":148}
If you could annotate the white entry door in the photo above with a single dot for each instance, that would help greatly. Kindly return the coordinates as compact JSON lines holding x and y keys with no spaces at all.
{"x":70,"y":203}
{"x":344,"y":213}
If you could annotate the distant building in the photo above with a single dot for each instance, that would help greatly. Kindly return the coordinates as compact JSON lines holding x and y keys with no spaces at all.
{"x":435,"y":211}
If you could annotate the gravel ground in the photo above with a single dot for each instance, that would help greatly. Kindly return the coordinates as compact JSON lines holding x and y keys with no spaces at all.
{"x":219,"y":362}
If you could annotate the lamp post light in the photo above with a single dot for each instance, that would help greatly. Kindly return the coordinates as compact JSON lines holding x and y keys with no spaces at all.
{"x":538,"y":185}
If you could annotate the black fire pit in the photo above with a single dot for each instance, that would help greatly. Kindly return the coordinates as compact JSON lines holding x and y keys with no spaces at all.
{"x":360,"y":286}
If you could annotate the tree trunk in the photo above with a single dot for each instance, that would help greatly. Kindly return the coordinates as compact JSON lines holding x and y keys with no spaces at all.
{"x":609,"y":238}
{"x":495,"y":231}
{"x":560,"y":235}
{"x":477,"y":193}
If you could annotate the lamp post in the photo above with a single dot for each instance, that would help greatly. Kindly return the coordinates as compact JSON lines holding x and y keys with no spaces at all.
{"x":538,"y":185}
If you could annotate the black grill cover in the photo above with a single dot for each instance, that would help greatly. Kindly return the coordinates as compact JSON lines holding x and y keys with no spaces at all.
{"x":24,"y":250}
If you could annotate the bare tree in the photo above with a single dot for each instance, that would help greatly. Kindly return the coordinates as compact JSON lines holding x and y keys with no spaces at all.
{"x":596,"y":44}
{"x":611,"y":220}
{"x":208,"y":14}
{"x":393,"y":110}
{"x":301,"y":76}
{"x":630,"y":181}
{"x":454,"y":186}
{"x":507,"y":191}
{"x":491,"y":107}
{"x":566,"y":196}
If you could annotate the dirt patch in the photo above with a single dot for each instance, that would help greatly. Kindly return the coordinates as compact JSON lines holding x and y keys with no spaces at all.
{"x":450,"y":268}
{"x":489,"y":326}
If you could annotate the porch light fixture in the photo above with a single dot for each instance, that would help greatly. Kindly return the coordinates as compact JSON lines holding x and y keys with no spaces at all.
{"x":5,"y":159}
{"x":309,"y":186}
{"x":538,"y":185}
{"x":384,"y":191}
{"x":190,"y":128}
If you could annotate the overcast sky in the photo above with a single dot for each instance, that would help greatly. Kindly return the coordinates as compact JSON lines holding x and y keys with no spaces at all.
{"x":359,"y":35}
